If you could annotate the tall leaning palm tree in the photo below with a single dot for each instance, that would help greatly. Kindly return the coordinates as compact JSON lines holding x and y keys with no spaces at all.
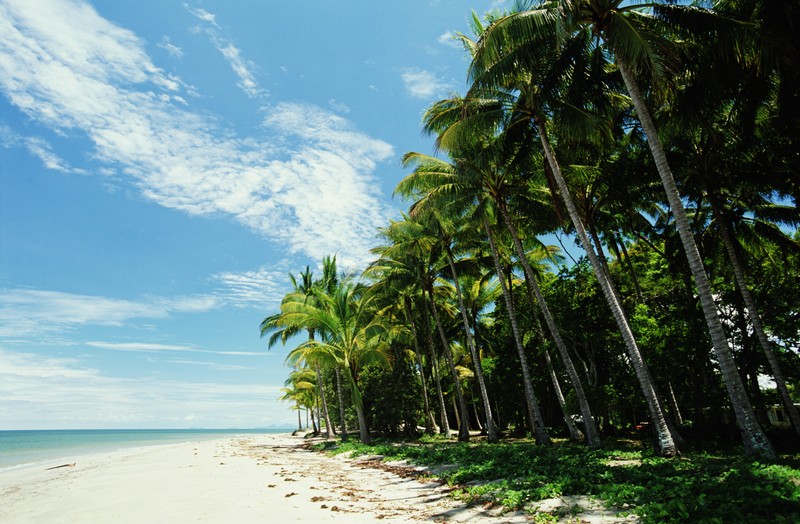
{"x":484,"y":168}
{"x":440,"y":184}
{"x":446,"y":230}
{"x":627,"y":32}
{"x":638,"y":48}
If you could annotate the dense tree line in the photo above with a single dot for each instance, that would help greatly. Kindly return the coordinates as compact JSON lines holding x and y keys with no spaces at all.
{"x":663,"y":138}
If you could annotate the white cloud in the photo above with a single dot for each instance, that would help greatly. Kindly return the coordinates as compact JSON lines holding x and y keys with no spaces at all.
{"x":149,"y":347}
{"x":241,"y":67}
{"x":311,"y":189}
{"x":38,"y":391}
{"x":38,"y":147}
{"x":25,"y":312}
{"x":202,"y":14}
{"x":423,"y":84}
{"x":449,"y":39}
{"x":339,"y":107}
{"x":261,"y":288}
{"x":335,"y":206}
{"x":173,"y":50}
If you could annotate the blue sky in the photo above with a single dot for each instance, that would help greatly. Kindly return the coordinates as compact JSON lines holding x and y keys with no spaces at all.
{"x":165,"y":165}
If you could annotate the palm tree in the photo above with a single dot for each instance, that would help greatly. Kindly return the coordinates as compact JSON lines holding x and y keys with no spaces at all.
{"x":534,"y":413}
{"x":480,"y":170}
{"x":522,"y":51}
{"x":628,"y":33}
{"x":352,"y":337}
{"x":298,"y":389}
{"x":328,"y":284}
{"x":446,"y":237}
{"x":413,"y":255}
{"x":282,"y":330}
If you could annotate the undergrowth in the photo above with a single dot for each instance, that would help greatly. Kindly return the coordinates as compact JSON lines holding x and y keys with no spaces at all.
{"x":697,"y":487}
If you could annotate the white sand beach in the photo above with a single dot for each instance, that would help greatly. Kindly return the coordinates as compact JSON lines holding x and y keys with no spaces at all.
{"x":266,"y":479}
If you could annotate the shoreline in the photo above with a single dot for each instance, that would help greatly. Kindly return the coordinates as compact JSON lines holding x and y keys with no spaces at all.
{"x":23,"y":448}
{"x":248,"y":478}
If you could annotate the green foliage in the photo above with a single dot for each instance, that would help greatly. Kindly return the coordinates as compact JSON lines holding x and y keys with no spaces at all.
{"x":392,"y":397}
{"x":711,"y":488}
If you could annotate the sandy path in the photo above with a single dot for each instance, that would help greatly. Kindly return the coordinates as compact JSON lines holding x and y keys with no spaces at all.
{"x":265,"y":479}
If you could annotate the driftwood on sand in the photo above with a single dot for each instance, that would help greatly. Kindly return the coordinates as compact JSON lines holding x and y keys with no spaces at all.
{"x":62,"y":466}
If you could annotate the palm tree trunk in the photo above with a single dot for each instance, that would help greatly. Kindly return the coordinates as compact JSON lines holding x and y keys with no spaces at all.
{"x":665,"y":442}
{"x":358,"y":403}
{"x":574,"y":432}
{"x":592,"y":435}
{"x":363,"y":431}
{"x":341,"y":402}
{"x":753,"y":437}
{"x":429,"y":421}
{"x":674,"y":403}
{"x":477,"y":417}
{"x":321,"y":388}
{"x":491,"y":431}
{"x":463,"y":427}
{"x":534,"y":413}
{"x":313,"y":421}
{"x":622,"y":254}
{"x":299,"y":420}
{"x":328,"y":425}
{"x":755,"y":318}
{"x":444,"y":427}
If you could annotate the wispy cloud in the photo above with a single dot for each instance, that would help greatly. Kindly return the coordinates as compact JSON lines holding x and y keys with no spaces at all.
{"x":308,"y":185}
{"x":40,"y":391}
{"x":25,"y":312}
{"x":450,"y":39}
{"x":241,"y":67}
{"x":148,"y":347}
{"x":202,"y":14}
{"x":424,"y":84}
{"x":173,"y":50}
{"x":339,"y":107}
{"x":38,"y":147}
{"x":261,"y":288}
{"x":334,"y":206}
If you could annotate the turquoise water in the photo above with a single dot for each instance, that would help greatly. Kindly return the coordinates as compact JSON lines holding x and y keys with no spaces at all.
{"x":19,"y":448}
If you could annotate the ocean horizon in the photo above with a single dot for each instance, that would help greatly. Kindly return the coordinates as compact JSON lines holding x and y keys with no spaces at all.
{"x":20,"y":448}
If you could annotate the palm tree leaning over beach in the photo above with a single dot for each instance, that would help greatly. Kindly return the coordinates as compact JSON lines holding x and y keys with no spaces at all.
{"x":457,"y":186}
{"x":497,"y":166}
{"x":626,"y":33}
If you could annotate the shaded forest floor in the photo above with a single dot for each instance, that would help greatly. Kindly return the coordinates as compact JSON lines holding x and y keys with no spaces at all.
{"x":558,"y":483}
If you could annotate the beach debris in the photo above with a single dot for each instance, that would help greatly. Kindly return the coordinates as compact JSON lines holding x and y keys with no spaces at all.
{"x":292,"y":494}
{"x":62,"y":466}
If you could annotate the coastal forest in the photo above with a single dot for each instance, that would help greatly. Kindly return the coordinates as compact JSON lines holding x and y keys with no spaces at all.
{"x":602,"y":254}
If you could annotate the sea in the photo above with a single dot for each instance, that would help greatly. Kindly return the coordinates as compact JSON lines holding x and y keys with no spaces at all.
{"x":20,"y":448}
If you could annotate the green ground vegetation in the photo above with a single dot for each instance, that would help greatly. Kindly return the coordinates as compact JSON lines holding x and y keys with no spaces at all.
{"x":698,"y":487}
